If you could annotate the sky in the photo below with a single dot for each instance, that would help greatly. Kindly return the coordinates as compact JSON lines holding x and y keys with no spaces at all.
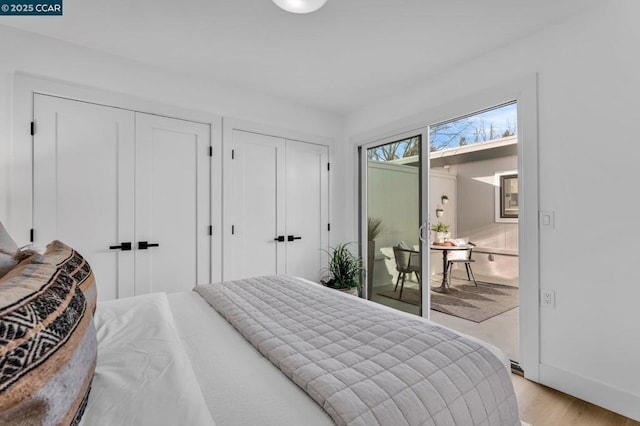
{"x":474,"y":128}
{"x":471,"y":129}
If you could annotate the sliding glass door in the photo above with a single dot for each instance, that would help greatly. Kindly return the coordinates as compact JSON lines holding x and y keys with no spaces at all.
{"x":392,"y":214}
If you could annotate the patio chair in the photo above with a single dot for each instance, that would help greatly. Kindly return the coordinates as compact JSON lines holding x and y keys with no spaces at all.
{"x":407,"y":261}
{"x":461,"y":257}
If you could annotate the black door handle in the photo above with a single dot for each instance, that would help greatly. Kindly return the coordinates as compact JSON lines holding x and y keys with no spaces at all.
{"x":122,"y":246}
{"x":143,"y":245}
{"x":279,"y":238}
{"x":291,"y":238}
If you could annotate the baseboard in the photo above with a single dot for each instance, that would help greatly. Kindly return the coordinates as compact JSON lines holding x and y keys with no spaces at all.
{"x":592,"y":391}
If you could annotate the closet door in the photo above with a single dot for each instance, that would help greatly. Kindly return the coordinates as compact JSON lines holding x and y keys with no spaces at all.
{"x":83,"y":186}
{"x":172,"y":204}
{"x":278,"y":216}
{"x":257,"y":211}
{"x":307,"y":209}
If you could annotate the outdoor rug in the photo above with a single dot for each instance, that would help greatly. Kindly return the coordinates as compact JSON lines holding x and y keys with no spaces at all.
{"x":472,"y":303}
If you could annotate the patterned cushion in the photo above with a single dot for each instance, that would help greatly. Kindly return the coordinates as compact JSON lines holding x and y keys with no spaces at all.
{"x":8,"y":260}
{"x":47,"y":346}
{"x":66,"y":258}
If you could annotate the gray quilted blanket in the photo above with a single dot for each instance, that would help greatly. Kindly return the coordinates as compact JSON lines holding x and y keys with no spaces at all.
{"x":365,"y":365}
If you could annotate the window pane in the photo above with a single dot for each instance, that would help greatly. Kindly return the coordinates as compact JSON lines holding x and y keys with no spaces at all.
{"x":492,"y":124}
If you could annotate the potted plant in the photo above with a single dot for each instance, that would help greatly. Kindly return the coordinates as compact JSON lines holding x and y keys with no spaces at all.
{"x":343,"y":270}
{"x":441,"y":232}
{"x":444,"y":199}
{"x":439,"y":212}
{"x":374,"y":227}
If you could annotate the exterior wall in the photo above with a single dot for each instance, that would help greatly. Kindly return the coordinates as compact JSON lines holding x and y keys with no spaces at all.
{"x":393,"y":196}
{"x":443,"y":181}
{"x":476,"y":220}
{"x":476,"y":204}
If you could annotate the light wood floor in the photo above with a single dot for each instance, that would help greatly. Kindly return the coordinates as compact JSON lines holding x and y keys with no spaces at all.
{"x":541,"y":406}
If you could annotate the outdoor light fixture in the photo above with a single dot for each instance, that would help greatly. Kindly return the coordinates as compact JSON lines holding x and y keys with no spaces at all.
{"x":300,"y":6}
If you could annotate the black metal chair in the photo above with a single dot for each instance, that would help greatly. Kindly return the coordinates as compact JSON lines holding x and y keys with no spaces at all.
{"x":407,"y":261}
{"x":466,"y":260}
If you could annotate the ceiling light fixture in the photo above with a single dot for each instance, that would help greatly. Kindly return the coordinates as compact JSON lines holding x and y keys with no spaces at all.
{"x":300,"y":6}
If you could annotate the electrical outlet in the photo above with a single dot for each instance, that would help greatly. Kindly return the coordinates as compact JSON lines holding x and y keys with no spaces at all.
{"x":548,"y":298}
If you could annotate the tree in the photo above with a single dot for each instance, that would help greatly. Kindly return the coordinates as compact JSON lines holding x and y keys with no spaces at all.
{"x":395,"y":150}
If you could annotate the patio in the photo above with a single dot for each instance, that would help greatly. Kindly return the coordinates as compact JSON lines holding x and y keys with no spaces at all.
{"x":469,"y":192}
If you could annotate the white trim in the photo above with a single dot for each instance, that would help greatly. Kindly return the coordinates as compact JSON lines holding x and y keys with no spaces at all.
{"x":21,"y":186}
{"x":524,"y":91}
{"x":596,"y":392}
{"x":497,"y":195}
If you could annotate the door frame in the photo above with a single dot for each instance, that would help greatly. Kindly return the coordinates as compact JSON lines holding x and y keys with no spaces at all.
{"x":424,"y":205}
{"x":20,"y":214}
{"x":523,"y":90}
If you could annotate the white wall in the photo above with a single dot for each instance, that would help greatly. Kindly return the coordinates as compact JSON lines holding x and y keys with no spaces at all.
{"x":393,"y":197}
{"x":476,"y":220}
{"x":588,"y":103}
{"x":476,"y":201}
{"x":29,"y":53}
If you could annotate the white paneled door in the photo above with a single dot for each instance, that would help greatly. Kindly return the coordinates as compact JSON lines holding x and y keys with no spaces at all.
{"x":112,"y":183}
{"x":83,"y":189}
{"x":278,"y":215}
{"x":257,"y":212}
{"x":307,"y":211}
{"x":172,"y":204}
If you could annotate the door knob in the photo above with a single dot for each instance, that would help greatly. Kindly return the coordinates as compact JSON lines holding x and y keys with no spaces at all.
{"x":122,"y":246}
{"x":279,"y":238}
{"x":291,"y":238}
{"x":143,"y":245}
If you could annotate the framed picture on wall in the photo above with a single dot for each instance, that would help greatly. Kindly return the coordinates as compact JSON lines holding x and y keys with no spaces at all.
{"x":509,"y":196}
{"x":506,"y":197}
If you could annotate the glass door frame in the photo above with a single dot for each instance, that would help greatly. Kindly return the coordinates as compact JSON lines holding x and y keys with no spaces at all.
{"x":423,"y":133}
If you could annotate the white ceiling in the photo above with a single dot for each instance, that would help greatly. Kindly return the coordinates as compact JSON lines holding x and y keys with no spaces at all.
{"x":338,"y":59}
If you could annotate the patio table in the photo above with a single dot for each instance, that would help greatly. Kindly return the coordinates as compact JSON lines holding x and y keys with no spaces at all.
{"x":445,"y":253}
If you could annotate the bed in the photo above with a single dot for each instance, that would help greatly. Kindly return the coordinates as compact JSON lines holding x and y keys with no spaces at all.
{"x":265,"y":350}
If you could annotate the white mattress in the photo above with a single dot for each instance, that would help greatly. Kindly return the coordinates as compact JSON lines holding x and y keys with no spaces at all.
{"x":239,"y":385}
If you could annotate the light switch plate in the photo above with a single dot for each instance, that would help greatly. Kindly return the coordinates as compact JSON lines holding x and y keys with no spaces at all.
{"x":547,"y":219}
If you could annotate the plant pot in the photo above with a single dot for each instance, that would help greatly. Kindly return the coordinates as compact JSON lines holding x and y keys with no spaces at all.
{"x":440,"y":237}
{"x":444,"y":200}
{"x":352,"y":290}
{"x":439,"y":212}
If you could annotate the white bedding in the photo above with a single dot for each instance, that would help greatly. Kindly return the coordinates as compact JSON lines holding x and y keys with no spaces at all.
{"x":362,"y":364}
{"x":193,"y":370}
{"x":143,"y":375}
{"x":240,"y":386}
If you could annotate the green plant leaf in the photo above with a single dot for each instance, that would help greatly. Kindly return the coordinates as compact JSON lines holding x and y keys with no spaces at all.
{"x":343,"y":268}
{"x":374,"y":227}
